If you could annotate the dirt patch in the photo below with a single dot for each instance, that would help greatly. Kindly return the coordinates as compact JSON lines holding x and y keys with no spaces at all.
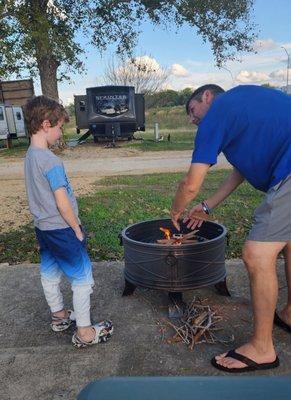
{"x":14,"y":211}
{"x":86,"y":151}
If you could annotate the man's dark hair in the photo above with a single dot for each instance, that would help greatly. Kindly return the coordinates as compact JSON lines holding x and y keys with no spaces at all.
{"x":197,"y":94}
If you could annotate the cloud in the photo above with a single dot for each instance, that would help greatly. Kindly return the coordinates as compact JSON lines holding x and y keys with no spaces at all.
{"x":147,"y":61}
{"x":252,"y":77}
{"x":197,"y":79}
{"x":278,"y":74}
{"x":178,"y":70}
{"x":287,"y":45}
{"x":262,"y":45}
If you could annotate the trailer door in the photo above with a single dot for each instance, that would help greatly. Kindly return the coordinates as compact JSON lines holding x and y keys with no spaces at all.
{"x":81,"y":112}
{"x":10,"y":121}
{"x":19,"y":121}
{"x":3,"y":123}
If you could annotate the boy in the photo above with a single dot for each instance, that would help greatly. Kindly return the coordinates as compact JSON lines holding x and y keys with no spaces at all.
{"x":57,"y":225}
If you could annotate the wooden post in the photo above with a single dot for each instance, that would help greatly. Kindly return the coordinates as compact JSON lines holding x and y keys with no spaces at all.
{"x":8,"y":142}
{"x":157,"y":132}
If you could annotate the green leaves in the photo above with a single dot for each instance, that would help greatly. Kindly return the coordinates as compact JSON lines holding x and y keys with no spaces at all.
{"x":30,"y":29}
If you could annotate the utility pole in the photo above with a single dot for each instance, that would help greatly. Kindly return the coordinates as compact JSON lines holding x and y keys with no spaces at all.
{"x":288,"y":64}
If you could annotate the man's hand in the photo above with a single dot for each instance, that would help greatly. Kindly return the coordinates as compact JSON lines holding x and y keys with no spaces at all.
{"x":175,"y":215}
{"x":187,"y":190}
{"x":193,"y":223}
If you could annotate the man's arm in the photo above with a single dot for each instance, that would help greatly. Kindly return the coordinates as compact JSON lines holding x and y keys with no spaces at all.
{"x":228,"y":186}
{"x":66,"y":210}
{"x":187,"y":190}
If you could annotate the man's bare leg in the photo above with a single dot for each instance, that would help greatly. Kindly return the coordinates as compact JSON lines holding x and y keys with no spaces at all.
{"x":260,"y":260}
{"x":285,"y":313}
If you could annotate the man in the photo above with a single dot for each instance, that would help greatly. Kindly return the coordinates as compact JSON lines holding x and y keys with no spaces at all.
{"x":251,"y":125}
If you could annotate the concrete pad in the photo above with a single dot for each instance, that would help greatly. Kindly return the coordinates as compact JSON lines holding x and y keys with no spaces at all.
{"x":36,"y":363}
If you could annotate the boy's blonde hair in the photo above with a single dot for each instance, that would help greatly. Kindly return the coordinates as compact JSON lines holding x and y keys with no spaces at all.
{"x":41,"y":108}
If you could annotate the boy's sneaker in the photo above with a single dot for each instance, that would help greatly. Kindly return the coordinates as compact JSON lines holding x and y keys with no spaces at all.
{"x":61,"y":324}
{"x":103,"y":331}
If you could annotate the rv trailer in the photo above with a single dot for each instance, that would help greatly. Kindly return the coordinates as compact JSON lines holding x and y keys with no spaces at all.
{"x":110,"y":112}
{"x":11,"y":122}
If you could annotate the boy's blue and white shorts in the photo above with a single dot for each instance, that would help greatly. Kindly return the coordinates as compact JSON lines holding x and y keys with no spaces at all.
{"x":61,"y":253}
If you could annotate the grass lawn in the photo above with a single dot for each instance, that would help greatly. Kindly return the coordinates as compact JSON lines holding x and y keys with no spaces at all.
{"x":19,"y":147}
{"x":173,"y":139}
{"x":123,"y":200}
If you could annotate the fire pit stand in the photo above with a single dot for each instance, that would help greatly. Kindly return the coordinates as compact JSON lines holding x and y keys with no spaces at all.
{"x":174,"y":268}
{"x":177,"y":305}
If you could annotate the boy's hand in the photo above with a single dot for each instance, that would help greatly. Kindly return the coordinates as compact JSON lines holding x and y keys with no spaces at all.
{"x":79,"y":234}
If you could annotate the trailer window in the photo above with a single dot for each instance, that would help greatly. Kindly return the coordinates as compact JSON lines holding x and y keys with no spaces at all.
{"x":18,"y":116}
{"x":112,"y":104}
{"x":1,"y":114}
{"x":82,"y":106}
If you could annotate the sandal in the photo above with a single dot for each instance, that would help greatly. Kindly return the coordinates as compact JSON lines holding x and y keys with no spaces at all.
{"x":61,"y":324}
{"x":103,"y":331}
{"x":250,"y":364}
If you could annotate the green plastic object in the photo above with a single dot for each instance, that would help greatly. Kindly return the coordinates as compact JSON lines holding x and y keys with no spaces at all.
{"x":192,"y":388}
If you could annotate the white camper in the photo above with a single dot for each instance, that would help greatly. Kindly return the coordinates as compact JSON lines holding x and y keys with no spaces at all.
{"x":11,"y":122}
{"x":3,"y":123}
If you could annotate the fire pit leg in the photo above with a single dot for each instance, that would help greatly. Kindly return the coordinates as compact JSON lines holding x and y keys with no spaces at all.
{"x":176,"y":305}
{"x":222,"y":288}
{"x":129,"y":288}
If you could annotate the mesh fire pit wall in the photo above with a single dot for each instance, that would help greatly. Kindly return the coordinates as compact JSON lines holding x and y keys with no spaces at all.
{"x":173,"y":268}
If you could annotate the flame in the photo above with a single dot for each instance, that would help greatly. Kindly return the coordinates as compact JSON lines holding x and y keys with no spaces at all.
{"x":166,"y":232}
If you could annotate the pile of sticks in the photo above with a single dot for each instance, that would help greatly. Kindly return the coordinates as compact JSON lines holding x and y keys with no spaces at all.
{"x":188,"y":238}
{"x":198,"y":325}
{"x":179,"y":239}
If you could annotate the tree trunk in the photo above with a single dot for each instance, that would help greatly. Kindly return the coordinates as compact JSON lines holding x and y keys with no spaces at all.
{"x":49,"y":86}
{"x":48,"y":66}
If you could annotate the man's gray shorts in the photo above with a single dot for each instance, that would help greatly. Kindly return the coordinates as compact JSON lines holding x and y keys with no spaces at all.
{"x":272,"y":219}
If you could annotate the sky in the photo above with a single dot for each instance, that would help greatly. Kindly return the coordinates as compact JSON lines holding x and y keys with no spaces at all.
{"x":190,"y":62}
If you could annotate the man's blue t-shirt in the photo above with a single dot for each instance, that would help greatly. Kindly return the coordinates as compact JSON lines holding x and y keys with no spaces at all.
{"x":251,"y":125}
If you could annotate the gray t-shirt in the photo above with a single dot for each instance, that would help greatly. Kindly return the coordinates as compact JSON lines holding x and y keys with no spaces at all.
{"x":45,"y":173}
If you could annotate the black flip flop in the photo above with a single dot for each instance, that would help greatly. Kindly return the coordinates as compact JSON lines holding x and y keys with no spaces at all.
{"x":250,"y":364}
{"x":279,"y":322}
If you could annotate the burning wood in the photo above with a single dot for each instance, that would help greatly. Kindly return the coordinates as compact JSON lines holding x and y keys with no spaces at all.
{"x":177,"y":239}
{"x":198,"y":325}
{"x":188,"y":238}
{"x":166,"y":232}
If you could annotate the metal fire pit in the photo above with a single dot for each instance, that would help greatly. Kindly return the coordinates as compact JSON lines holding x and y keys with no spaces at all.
{"x":174,"y":268}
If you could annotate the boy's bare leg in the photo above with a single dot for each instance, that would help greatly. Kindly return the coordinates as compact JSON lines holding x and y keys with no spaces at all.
{"x":285,"y":313}
{"x":260,"y":260}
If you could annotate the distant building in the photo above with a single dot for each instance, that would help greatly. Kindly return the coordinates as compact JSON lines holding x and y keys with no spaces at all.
{"x":16,"y":92}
